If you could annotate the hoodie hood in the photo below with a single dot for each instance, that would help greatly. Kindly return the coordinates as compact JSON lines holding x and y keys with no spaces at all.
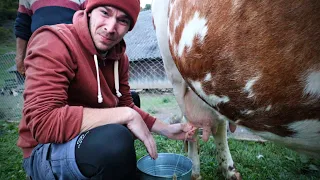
{"x":81,"y":24}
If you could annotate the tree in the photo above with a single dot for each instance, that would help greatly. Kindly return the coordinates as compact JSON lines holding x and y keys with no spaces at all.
{"x":8,"y":4}
{"x":8,"y":9}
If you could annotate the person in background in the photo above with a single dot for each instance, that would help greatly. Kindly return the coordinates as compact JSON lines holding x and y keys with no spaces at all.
{"x":34,"y":14}
{"x":79,"y":120}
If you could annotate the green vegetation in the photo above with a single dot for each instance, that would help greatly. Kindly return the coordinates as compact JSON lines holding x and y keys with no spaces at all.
{"x":10,"y":154}
{"x":5,"y":34}
{"x":277,"y":163}
{"x":153,"y":103}
{"x":7,"y":39}
{"x":157,"y":100}
{"x":8,"y":10}
{"x":7,"y":46}
{"x":147,"y":7}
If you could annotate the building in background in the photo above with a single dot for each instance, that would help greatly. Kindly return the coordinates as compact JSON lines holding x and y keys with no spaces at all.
{"x":146,"y":66}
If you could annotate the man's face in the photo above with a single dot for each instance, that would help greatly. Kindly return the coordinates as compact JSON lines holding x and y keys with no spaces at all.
{"x":107,"y":26}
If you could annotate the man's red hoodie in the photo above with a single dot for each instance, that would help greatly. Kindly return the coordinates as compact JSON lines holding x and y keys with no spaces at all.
{"x":61,"y":79}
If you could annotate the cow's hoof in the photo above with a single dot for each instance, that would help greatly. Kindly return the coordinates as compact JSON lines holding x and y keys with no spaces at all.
{"x":196,"y":177}
{"x":236,"y":176}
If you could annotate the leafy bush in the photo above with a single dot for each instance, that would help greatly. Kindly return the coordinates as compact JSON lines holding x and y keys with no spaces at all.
{"x":8,"y":14}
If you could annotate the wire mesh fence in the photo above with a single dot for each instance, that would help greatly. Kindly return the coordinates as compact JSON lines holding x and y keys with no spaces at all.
{"x":11,"y":87}
{"x":147,"y":77}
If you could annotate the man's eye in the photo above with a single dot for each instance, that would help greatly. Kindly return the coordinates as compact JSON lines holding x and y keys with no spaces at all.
{"x":104,"y":12}
{"x":124,"y":21}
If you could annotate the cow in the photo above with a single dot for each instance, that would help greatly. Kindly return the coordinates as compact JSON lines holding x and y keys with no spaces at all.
{"x":255,"y":64}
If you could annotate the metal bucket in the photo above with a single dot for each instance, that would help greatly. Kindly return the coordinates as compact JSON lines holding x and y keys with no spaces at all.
{"x":166,"y":166}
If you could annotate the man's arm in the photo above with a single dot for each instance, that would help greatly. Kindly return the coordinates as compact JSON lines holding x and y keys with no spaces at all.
{"x":21,"y":46}
{"x":179,"y":131}
{"x":93,"y":118}
{"x":22,"y":30}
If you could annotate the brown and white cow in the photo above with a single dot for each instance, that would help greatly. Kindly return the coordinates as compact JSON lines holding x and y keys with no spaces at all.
{"x":253,"y":63}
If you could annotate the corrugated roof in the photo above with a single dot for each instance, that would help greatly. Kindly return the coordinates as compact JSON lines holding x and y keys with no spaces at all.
{"x":141,"y":41}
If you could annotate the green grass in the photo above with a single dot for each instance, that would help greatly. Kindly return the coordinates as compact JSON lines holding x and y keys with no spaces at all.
{"x":7,"y":46}
{"x":154,"y":103}
{"x":278,"y":163}
{"x":10,"y":154}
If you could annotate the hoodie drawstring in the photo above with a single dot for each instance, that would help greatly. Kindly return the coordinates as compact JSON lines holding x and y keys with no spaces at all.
{"x":100,"y":99}
{"x":116,"y":77}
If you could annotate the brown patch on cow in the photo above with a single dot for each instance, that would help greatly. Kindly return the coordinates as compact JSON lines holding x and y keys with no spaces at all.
{"x":277,"y":41}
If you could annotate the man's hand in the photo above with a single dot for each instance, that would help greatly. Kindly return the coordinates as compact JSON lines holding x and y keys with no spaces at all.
{"x":180,"y":131}
{"x":138,"y":127}
{"x":20,"y":66}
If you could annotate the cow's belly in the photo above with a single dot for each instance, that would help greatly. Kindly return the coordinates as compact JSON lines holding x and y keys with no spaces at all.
{"x":306,"y":139}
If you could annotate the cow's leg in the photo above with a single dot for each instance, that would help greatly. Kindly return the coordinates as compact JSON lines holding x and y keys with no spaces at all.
{"x":223,"y":153}
{"x":193,"y":154}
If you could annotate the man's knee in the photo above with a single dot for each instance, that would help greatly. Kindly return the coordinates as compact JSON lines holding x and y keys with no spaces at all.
{"x":109,"y":139}
{"x":105,"y":148}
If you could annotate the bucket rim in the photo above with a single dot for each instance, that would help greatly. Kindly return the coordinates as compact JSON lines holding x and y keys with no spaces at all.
{"x":180,"y":175}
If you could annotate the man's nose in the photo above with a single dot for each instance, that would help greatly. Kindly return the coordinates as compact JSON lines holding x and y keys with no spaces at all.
{"x":110,"y":25}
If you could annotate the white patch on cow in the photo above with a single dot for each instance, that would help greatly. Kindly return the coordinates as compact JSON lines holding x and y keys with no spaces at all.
{"x":307,"y":129}
{"x":208,"y":77}
{"x":170,"y":34}
{"x":172,"y":4}
{"x":268,"y":108}
{"x":196,"y":27}
{"x":248,"y":86}
{"x":177,"y":22}
{"x":213,"y":100}
{"x":237,"y":121}
{"x":306,"y":138}
{"x":312,"y":86}
{"x":247,"y":112}
{"x":267,"y":126}
{"x":236,"y":4}
{"x":172,"y":7}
